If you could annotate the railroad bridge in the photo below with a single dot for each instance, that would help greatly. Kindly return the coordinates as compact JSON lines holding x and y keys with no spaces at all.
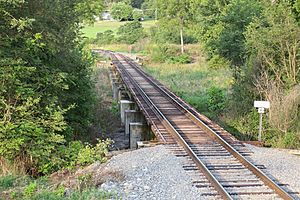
{"x":150,"y":110}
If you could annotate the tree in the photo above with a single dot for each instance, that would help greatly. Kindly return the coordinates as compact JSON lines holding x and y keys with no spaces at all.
{"x":237,"y":15}
{"x":46,"y":94}
{"x":274,"y":46}
{"x":137,"y":14}
{"x":121,"y":11}
{"x":131,"y":32}
{"x":178,"y":11}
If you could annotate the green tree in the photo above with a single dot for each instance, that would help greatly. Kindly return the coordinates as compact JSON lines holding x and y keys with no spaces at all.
{"x":274,"y":46}
{"x":137,"y":14}
{"x":46,"y":94}
{"x":237,"y":15}
{"x":176,"y":12}
{"x":121,"y":11}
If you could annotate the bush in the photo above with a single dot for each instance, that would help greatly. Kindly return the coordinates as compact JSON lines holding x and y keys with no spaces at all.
{"x":89,"y":154}
{"x":246,"y":127}
{"x":7,"y":181}
{"x":162,"y":52}
{"x":288,"y":140}
{"x":217,"y":62}
{"x":77,"y":154}
{"x":107,"y":37}
{"x":130,"y":32}
{"x":216,"y":100}
{"x":181,"y":59}
{"x":30,"y":189}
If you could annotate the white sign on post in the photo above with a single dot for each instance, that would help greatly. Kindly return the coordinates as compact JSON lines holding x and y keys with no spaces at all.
{"x":261,"y":105}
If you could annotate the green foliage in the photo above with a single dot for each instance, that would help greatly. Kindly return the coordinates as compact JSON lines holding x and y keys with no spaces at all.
{"x":216,"y":100}
{"x":149,"y":7}
{"x":289,"y":140}
{"x":161,"y":53}
{"x":7,"y":182}
{"x":115,"y":108}
{"x":271,"y":41}
{"x":92,"y":194}
{"x":130,"y":32}
{"x":30,"y":190}
{"x":41,"y":189}
{"x":107,"y":37}
{"x":121,"y":11}
{"x":137,"y":14}
{"x":46,"y":93}
{"x":28,"y":131}
{"x":181,"y":59}
{"x":235,"y":18}
{"x":226,"y":36}
{"x":86,"y":194}
{"x":77,"y":154}
{"x":217,"y":62}
{"x":247,"y":125}
{"x":89,"y":154}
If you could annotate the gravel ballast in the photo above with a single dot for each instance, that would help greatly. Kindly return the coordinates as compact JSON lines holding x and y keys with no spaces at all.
{"x":151,"y":173}
{"x":155,"y":173}
{"x":280,"y":164}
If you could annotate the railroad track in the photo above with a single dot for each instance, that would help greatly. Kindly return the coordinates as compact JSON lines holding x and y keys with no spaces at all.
{"x":224,"y":169}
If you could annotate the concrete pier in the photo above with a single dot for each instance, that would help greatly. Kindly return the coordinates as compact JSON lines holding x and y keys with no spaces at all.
{"x":125,"y":105}
{"x":116,"y":86}
{"x":133,"y":116}
{"x":138,"y":132}
{"x":122,"y":95}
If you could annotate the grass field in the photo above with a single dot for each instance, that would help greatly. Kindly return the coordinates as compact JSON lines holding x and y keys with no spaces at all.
{"x":191,"y":81}
{"x":91,"y":31}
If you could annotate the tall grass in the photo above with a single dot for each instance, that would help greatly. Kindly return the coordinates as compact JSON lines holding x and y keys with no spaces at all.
{"x":191,"y":81}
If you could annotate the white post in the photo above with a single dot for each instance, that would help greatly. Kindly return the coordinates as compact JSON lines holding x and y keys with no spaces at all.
{"x":261,"y":105}
{"x":260,"y":126}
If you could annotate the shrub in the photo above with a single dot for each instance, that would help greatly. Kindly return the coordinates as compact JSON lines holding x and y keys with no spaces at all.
{"x":217,"y":62}
{"x":246,"y":127}
{"x":107,"y":37}
{"x":77,"y":154}
{"x":162,"y":52}
{"x":130,"y":32}
{"x":181,"y":59}
{"x":288,"y":140}
{"x":89,"y":154}
{"x":7,"y":181}
{"x":30,"y":189}
{"x":216,"y":100}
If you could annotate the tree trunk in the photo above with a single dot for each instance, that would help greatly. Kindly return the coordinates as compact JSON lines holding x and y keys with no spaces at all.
{"x":181,"y":40}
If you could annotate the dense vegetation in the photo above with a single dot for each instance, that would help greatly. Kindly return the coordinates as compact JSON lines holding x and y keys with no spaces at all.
{"x":46,"y":91}
{"x":257,"y":40}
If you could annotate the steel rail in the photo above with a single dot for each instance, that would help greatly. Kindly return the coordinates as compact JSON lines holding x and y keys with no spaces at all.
{"x":270,"y":183}
{"x":217,"y":185}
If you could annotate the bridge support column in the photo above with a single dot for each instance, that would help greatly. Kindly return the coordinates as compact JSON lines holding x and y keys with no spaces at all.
{"x":115,"y":89}
{"x":125,"y":105}
{"x":138,"y":132}
{"x":132,"y":116}
{"x":122,"y":95}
